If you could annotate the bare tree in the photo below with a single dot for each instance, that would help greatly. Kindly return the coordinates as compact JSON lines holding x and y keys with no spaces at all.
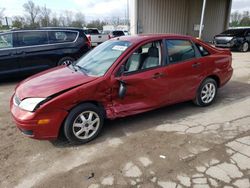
{"x":79,"y":20}
{"x":18,"y":22}
{"x":54,"y":21}
{"x":45,"y":16}
{"x":68,"y":17}
{"x":2,"y":13}
{"x":33,"y":11}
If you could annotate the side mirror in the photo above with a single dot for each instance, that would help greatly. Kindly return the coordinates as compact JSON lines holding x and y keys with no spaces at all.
{"x":122,"y":89}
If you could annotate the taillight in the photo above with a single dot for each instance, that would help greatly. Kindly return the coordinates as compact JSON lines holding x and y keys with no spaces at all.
{"x":109,"y":36}
{"x":88,"y":42}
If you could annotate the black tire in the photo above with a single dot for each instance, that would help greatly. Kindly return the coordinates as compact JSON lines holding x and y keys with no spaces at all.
{"x":73,"y":119}
{"x":199,"y":100}
{"x":65,"y":61}
{"x":244,"y":47}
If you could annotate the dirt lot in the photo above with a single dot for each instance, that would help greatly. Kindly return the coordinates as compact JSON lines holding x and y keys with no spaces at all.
{"x":177,"y":146}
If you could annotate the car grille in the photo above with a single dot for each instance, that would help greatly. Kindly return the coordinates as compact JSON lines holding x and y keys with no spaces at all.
{"x":221,"y":41}
{"x":16,"y":100}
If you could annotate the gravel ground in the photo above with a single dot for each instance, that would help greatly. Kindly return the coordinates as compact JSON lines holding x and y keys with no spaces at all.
{"x":176,"y":146}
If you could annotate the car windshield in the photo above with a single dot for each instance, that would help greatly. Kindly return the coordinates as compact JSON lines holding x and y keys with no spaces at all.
{"x":100,"y":59}
{"x":234,"y":32}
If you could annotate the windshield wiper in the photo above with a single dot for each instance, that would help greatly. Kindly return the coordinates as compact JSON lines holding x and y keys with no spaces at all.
{"x":81,"y":68}
{"x":71,"y":66}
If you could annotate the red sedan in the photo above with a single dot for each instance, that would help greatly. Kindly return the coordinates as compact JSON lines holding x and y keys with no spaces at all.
{"x":121,"y":77}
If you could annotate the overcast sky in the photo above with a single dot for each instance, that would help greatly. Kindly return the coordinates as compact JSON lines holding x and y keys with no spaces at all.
{"x":241,"y":5}
{"x":91,"y":8}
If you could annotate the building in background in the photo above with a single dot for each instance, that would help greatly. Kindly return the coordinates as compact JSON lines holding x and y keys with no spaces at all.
{"x":180,"y":16}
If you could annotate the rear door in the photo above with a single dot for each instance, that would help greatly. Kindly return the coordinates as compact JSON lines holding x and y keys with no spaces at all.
{"x":185,"y":69}
{"x":8,"y":59}
{"x":33,"y":51}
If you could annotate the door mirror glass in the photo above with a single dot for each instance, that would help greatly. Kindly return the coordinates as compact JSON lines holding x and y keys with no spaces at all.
{"x":122,"y":89}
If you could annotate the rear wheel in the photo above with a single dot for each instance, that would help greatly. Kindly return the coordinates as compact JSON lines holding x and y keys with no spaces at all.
{"x":83,"y":123}
{"x":206,"y":92}
{"x":65,"y":61}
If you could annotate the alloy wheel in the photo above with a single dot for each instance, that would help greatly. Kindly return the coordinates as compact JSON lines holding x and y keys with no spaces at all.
{"x":86,"y":125}
{"x":208,"y":93}
{"x":245,"y":47}
{"x":66,"y":62}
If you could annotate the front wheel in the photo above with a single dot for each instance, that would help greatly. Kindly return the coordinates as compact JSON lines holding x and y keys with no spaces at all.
{"x":206,"y":92}
{"x":244,"y":47}
{"x":83,"y":123}
{"x":65,"y":61}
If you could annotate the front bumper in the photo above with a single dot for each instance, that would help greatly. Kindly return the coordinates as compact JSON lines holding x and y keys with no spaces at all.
{"x":27,"y":122}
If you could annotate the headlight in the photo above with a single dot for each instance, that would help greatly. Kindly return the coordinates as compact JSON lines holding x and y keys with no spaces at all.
{"x":30,"y":104}
{"x":233,"y":41}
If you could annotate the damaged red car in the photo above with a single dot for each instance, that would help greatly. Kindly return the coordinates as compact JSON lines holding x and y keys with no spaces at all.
{"x":121,"y":77}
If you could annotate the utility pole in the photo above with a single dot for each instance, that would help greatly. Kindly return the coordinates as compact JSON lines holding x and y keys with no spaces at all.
{"x":7,"y":23}
{"x":202,"y":18}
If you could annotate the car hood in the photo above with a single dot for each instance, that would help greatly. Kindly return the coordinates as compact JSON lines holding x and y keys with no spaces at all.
{"x":51,"y":82}
{"x":223,"y":37}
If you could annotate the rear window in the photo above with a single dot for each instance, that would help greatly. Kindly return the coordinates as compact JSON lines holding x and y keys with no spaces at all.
{"x":62,"y":36}
{"x":118,"y":33}
{"x":31,"y":38}
{"x":6,"y":40}
{"x":203,"y":51}
{"x":180,"y":50}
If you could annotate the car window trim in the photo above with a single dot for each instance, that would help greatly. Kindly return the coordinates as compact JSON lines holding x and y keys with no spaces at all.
{"x":142,"y":70}
{"x":20,"y":47}
{"x":196,"y":51}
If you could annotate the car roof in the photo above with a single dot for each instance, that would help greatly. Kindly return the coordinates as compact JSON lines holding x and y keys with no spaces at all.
{"x":143,"y":37}
{"x":50,"y":28}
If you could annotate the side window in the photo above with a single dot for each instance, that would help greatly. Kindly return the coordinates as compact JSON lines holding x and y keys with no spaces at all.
{"x":62,"y":36}
{"x":179,"y":50}
{"x":248,"y":33}
{"x":202,"y":50}
{"x":6,"y":40}
{"x":145,"y":57}
{"x":31,"y":38}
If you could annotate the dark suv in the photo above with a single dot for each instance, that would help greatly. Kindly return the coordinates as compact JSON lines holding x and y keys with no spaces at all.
{"x":30,"y":51}
{"x":234,"y":38}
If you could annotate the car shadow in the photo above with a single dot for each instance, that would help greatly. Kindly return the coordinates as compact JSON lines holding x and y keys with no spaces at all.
{"x":233,"y":92}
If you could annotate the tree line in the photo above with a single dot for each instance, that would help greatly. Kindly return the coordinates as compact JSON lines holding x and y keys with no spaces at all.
{"x":240,"y":19}
{"x":36,"y":16}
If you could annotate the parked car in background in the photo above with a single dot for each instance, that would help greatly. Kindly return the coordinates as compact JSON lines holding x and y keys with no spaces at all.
{"x":95,"y":36}
{"x":119,"y":78}
{"x":116,"y":33}
{"x":126,"y":32}
{"x":238,"y":39}
{"x":31,"y":51}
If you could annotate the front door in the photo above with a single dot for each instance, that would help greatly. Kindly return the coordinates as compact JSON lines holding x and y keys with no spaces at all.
{"x":145,"y":81}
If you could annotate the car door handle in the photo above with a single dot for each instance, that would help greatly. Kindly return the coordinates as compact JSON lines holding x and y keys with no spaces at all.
{"x":158,"y":75}
{"x":195,"y":65}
